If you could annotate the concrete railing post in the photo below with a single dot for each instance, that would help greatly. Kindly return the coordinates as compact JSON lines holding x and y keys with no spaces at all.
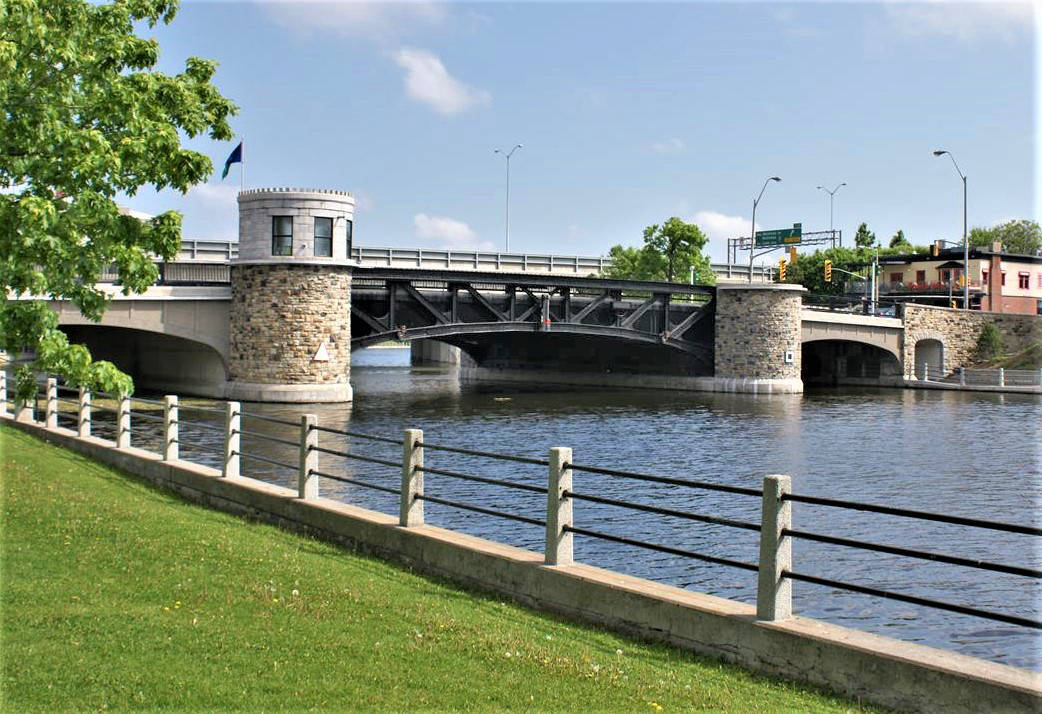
{"x":307,"y":480}
{"x":23,"y":410}
{"x":1002,"y":377}
{"x":83,"y":417}
{"x":559,"y":508}
{"x":411,"y":508}
{"x":232,"y":439}
{"x":123,"y":423}
{"x":3,"y":393}
{"x":170,"y":431}
{"x":774,"y":592}
{"x":51,"y":409}
{"x":1039,"y":382}
{"x":925,"y":372}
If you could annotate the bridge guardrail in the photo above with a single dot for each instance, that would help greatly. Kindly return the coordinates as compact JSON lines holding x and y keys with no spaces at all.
{"x":775,"y":567}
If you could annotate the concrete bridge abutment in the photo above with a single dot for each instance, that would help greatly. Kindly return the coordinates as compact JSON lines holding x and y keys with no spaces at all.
{"x":757,"y":341}
{"x":290,"y":315}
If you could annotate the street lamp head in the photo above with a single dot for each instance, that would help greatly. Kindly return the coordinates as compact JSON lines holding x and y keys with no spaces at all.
{"x":940,"y":152}
{"x":843,"y":184}
{"x":775,"y":178}
{"x":519,"y":146}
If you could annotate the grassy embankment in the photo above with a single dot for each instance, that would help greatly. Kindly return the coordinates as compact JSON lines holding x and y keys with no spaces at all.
{"x":119,"y":596}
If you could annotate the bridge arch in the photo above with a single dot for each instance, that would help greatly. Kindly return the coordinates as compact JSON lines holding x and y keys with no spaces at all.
{"x":834,"y":361}
{"x":457,"y":333}
{"x":157,"y":361}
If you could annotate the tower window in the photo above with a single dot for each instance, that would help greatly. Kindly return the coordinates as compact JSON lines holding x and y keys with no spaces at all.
{"x":324,"y":237}
{"x":349,"y":227}
{"x":282,"y":235}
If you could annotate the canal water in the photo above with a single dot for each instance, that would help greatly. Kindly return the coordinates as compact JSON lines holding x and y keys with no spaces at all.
{"x":961,"y":453}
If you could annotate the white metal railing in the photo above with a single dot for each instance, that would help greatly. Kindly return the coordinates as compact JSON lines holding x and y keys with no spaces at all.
{"x":966,"y":377}
{"x":443,"y":259}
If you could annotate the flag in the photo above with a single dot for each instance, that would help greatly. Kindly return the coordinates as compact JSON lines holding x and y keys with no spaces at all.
{"x":233,"y":158}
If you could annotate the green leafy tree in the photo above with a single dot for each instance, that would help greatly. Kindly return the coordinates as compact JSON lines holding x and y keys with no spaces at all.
{"x":864,"y":237}
{"x":669,"y":253}
{"x":1018,"y":236}
{"x":899,"y":240}
{"x":88,"y":117}
{"x":809,"y":270}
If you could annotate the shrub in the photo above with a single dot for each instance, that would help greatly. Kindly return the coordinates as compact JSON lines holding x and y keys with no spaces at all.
{"x":989,"y":343}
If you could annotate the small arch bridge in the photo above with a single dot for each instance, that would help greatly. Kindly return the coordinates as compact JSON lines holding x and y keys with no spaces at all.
{"x":468,"y":308}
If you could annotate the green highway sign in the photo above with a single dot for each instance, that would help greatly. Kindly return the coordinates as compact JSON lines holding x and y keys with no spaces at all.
{"x":780,"y":236}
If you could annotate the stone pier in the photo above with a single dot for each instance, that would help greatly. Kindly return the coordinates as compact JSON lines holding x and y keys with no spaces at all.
{"x":757,"y":342}
{"x":290,"y":315}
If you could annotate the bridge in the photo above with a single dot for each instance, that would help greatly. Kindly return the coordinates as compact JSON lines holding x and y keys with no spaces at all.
{"x":256,"y":326}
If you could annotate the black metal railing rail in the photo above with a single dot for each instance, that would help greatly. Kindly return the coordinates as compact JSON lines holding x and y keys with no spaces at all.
{"x":673,"y":481}
{"x":980,"y":564}
{"x":504,"y":483}
{"x":664,"y":511}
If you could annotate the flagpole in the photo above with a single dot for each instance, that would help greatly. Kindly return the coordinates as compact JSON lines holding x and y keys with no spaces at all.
{"x":242,"y":173}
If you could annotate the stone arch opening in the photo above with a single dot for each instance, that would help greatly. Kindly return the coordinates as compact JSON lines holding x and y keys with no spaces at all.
{"x":929,"y":355}
{"x":156,"y":361}
{"x":847,"y":362}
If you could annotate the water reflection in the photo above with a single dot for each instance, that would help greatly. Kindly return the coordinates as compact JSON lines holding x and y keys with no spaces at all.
{"x":973,"y":454}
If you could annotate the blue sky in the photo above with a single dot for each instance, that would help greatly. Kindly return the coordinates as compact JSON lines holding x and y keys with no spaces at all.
{"x":629,"y":113}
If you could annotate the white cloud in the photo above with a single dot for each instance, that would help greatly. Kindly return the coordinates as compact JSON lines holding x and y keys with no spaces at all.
{"x":670,"y":146}
{"x":219,"y":194}
{"x":963,"y":21}
{"x":449,"y":232}
{"x":370,"y":20}
{"x":718,"y":227}
{"x":427,"y":81}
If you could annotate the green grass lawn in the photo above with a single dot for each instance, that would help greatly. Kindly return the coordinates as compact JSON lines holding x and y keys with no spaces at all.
{"x":118,"y":596}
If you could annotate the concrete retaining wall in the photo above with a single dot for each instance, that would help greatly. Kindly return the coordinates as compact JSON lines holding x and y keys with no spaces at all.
{"x":889,"y":672}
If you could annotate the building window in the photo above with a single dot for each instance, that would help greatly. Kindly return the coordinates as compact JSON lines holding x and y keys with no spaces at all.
{"x":1003,"y":278}
{"x":946,"y":275}
{"x":1024,"y":280}
{"x":1040,"y":280}
{"x":896,"y":278}
{"x":324,"y":237}
{"x":984,"y":276}
{"x":349,"y":228}
{"x":282,"y":235}
{"x":920,"y":276}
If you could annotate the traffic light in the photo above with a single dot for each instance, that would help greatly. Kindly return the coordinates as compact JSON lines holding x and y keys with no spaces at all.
{"x":828,"y":271}
{"x":782,"y":265}
{"x":935,"y":249}
{"x":792,"y":255}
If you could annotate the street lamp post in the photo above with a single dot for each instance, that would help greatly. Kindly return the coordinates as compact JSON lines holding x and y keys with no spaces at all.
{"x":965,"y":235}
{"x":831,"y":194}
{"x":752,"y":232}
{"x":506,"y":229}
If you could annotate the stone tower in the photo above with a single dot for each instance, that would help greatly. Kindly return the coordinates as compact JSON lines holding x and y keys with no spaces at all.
{"x":758,"y":329}
{"x":290,"y":317}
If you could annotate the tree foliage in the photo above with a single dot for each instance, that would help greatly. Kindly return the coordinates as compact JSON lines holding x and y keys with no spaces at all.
{"x":669,"y":253}
{"x":1017,"y":236}
{"x":899,"y":240}
{"x":864,"y":237}
{"x":88,"y":117}
{"x":809,"y":270}
{"x":989,"y":343}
